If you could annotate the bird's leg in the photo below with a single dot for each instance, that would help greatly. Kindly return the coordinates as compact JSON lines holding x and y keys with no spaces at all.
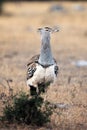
{"x":33,"y":90}
{"x":37,"y":91}
{"x":41,"y":88}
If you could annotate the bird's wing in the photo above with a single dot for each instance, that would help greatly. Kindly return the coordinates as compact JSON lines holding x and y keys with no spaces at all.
{"x":34,"y":59}
{"x":31,"y":66}
{"x":56,"y":68}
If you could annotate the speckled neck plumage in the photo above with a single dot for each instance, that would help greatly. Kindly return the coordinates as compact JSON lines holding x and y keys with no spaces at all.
{"x":46,"y":57}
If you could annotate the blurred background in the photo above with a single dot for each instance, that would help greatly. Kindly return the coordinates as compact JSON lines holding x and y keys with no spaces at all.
{"x":19,"y":41}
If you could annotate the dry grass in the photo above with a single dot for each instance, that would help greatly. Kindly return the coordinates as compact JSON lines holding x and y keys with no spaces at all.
{"x":19,"y":41}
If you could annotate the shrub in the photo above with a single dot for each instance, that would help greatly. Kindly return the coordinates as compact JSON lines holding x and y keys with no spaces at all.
{"x":23,"y":108}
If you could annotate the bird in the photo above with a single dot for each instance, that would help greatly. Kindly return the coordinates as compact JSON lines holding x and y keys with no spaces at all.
{"x":42,"y":69}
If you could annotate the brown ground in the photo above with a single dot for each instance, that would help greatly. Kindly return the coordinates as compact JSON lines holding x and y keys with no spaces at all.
{"x":19,"y":41}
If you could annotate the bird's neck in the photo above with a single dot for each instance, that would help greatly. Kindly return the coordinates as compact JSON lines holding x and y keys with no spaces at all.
{"x":46,"y":57}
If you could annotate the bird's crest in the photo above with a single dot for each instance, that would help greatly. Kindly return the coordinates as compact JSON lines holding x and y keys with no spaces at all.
{"x":48,"y":29}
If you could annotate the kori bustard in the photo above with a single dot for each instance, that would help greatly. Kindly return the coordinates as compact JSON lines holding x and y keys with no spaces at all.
{"x":42,"y":69}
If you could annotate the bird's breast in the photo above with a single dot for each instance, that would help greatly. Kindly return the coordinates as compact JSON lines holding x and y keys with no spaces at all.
{"x":42,"y":74}
{"x":49,"y":74}
{"x":39,"y":75}
{"x":45,"y":74}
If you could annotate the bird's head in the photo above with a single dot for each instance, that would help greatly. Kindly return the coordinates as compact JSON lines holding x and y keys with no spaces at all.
{"x":48,"y":30}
